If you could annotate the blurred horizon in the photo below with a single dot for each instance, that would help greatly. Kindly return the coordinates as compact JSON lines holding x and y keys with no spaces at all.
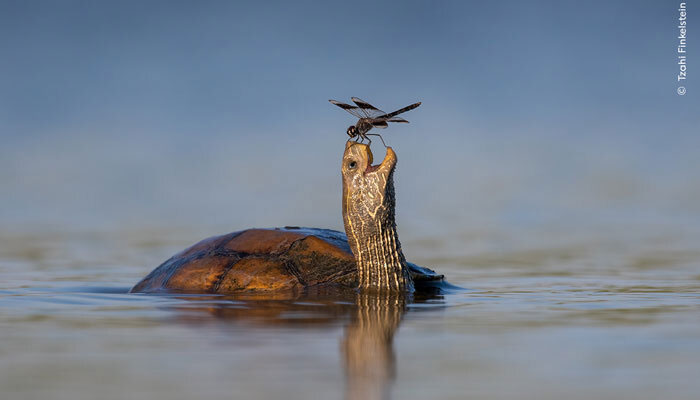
{"x":215,"y":113}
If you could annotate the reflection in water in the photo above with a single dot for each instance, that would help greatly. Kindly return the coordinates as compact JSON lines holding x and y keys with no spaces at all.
{"x":367,"y":344}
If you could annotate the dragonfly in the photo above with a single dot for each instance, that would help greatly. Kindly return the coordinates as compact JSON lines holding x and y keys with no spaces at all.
{"x":370,"y":117}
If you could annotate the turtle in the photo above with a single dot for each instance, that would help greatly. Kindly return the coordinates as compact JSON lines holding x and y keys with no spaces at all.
{"x":368,"y":257}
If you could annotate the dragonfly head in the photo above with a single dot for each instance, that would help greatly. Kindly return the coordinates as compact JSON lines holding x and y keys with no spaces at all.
{"x":352,"y":131}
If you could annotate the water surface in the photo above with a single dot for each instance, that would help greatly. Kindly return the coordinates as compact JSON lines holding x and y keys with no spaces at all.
{"x":545,"y":314}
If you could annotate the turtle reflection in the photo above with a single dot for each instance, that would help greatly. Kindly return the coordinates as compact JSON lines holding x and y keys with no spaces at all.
{"x":368,"y":351}
{"x":370,"y":322}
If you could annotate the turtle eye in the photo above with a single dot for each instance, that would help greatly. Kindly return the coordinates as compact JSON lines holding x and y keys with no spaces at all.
{"x":352,"y":164}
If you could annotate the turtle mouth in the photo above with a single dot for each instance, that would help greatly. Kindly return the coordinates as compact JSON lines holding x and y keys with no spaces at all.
{"x":387,"y":163}
{"x":372,"y":168}
{"x":361,"y":151}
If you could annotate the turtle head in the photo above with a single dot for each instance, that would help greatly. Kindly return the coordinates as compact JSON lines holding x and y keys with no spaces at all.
{"x":366,"y":185}
{"x":368,"y":215}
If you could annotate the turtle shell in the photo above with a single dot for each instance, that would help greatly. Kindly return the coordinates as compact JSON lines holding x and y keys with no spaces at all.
{"x":276,"y":259}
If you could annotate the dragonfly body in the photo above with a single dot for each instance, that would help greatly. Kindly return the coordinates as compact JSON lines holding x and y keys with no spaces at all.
{"x":362,"y":126}
{"x":370,"y":117}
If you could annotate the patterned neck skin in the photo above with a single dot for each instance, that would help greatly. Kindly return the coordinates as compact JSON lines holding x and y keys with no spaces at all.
{"x":368,"y":215}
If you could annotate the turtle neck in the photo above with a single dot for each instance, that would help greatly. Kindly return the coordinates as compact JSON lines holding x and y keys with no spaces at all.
{"x":369,"y":217}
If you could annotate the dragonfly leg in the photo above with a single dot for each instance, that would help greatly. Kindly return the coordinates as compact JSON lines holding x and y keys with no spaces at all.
{"x":363,"y":137}
{"x":380,"y":138}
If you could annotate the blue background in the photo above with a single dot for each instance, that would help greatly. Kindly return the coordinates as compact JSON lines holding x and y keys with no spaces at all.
{"x":215,"y":113}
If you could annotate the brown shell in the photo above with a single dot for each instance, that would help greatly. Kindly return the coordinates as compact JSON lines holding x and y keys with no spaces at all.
{"x":276,"y":259}
{"x":257,"y":260}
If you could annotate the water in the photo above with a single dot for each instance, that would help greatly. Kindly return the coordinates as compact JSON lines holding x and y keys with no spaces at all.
{"x":551,"y":171}
{"x":545,"y":314}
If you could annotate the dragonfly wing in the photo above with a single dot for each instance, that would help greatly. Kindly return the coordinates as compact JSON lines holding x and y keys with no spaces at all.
{"x":379,"y":123}
{"x":397,"y":119}
{"x":370,"y":110}
{"x":400,"y":111}
{"x":354,"y":110}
